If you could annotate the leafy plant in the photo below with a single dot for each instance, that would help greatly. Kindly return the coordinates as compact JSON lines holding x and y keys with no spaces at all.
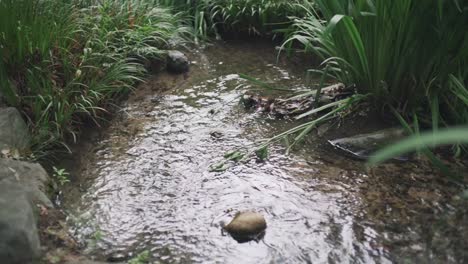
{"x":262,"y":153}
{"x":447,"y":136}
{"x":64,"y":62}
{"x":315,"y":116}
{"x":61,"y":175}
{"x":255,"y":17}
{"x":141,"y":258}
{"x":374,"y":45}
{"x":407,"y":54}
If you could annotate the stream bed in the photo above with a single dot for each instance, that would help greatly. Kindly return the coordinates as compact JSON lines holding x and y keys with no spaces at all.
{"x":146,"y":185}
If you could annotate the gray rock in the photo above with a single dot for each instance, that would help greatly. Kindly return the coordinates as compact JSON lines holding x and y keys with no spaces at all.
{"x":22,"y":184}
{"x":14,"y":133}
{"x":19,"y":241}
{"x":364,"y":145}
{"x":177,"y":62}
{"x":30,"y":176}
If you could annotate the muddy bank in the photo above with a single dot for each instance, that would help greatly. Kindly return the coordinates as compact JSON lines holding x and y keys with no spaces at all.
{"x":145,"y":185}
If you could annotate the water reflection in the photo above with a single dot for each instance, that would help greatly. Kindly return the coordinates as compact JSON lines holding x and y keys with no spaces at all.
{"x":153,"y":189}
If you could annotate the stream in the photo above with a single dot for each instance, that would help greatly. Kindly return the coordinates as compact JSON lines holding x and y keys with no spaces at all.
{"x":145,"y":182}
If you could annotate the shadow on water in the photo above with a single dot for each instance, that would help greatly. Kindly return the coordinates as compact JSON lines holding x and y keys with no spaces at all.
{"x":147,"y":185}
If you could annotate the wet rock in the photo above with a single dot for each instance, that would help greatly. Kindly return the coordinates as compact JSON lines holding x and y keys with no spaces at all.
{"x":246,"y":226}
{"x":30,"y":176}
{"x":364,"y":145}
{"x":14,"y":133}
{"x":249,"y":100}
{"x":177,"y":62}
{"x":19,"y":241}
{"x":216,"y":134}
{"x":117,"y":257}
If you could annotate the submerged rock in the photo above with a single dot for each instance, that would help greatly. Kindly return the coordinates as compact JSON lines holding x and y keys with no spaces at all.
{"x":177,"y":62}
{"x":216,"y":134}
{"x":246,"y":226}
{"x":364,"y":145}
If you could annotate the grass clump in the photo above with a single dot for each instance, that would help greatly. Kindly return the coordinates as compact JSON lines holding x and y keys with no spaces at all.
{"x":454,"y":135}
{"x":253,"y":17}
{"x":63,"y":62}
{"x":407,"y":55}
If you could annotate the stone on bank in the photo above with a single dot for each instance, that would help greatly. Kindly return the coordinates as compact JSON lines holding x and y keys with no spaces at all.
{"x":22,"y":186}
{"x":14,"y":133}
{"x":19,"y":240}
{"x":177,"y":62}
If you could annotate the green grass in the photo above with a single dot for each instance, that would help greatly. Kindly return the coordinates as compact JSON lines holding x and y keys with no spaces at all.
{"x":64,"y":62}
{"x":407,"y":55}
{"x":29,"y":31}
{"x":405,"y":52}
{"x":447,"y":136}
{"x":253,"y":17}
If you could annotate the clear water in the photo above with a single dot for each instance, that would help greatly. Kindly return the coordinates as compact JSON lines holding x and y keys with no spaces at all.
{"x":147,"y":185}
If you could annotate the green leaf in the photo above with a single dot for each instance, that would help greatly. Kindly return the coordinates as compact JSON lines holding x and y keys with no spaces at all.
{"x":219,"y":167}
{"x":262,"y":153}
{"x":446,"y":136}
{"x":234,"y":156}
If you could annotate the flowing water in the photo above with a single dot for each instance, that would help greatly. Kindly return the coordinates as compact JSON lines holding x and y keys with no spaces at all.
{"x":146,"y":182}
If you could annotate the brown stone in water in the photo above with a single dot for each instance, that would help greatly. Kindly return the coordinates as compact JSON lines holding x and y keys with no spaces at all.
{"x":246,"y":224}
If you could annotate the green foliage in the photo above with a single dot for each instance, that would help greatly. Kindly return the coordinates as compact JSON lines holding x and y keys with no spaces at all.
{"x":133,"y":28}
{"x":239,"y":156}
{"x":61,"y":175}
{"x":29,"y":31}
{"x":392,"y":49}
{"x":455,"y":135}
{"x":255,"y":17}
{"x":63,"y":62}
{"x":262,"y":153}
{"x":141,"y":258}
{"x":408,"y":54}
{"x":234,"y":156}
{"x":219,"y":167}
{"x":318,"y":115}
{"x":94,"y":240}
